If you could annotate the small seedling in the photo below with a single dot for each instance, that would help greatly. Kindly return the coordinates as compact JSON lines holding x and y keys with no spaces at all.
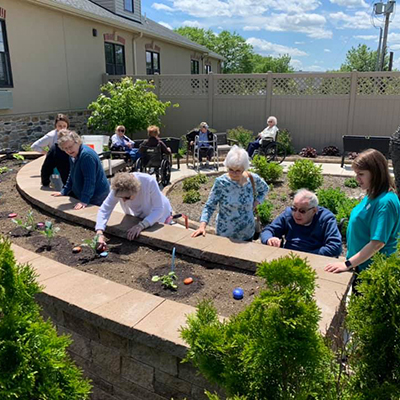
{"x":26,"y":147}
{"x":166,"y":280}
{"x":92,"y":244}
{"x":3,"y":170}
{"x":50,"y":232}
{"x":29,"y":224}
{"x":18,"y":157}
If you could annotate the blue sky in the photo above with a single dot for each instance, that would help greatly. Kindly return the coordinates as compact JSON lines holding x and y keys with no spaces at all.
{"x":316,"y":34}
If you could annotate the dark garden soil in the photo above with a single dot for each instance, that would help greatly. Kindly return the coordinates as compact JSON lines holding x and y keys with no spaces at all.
{"x":127,"y":263}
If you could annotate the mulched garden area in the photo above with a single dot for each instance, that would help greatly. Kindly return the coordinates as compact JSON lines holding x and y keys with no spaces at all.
{"x":128,"y":263}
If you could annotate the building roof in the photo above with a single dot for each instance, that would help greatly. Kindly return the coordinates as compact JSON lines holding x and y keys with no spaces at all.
{"x":147,"y":26}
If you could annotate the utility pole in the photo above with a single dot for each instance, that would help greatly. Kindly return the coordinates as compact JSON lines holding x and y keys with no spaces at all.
{"x":378,"y":53}
{"x":385,"y":9}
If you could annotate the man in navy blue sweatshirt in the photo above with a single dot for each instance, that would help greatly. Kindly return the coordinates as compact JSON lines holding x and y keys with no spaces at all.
{"x":306,"y":227}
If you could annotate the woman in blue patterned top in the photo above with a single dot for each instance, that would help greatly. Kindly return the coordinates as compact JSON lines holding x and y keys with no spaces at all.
{"x":233,"y":194}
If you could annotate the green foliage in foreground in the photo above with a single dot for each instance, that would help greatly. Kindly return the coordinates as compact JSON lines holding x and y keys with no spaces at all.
{"x":305,"y":174}
{"x":265,"y":212}
{"x":351,"y":183}
{"x":270,"y":172}
{"x":272,"y":349}
{"x":34,"y":364}
{"x":128,"y":103}
{"x":241,"y":135}
{"x":374,"y":319}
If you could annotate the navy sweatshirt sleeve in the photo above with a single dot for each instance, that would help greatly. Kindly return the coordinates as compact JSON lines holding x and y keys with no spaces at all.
{"x":277,"y":228}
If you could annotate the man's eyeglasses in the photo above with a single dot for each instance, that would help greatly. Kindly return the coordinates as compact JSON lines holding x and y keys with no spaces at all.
{"x":300,"y":210}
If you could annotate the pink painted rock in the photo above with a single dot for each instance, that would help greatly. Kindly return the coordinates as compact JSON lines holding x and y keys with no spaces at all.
{"x":12,"y":215}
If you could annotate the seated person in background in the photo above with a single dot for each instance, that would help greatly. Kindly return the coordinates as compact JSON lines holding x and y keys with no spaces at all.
{"x":121,"y":142}
{"x":153,"y":132}
{"x":86,"y":181}
{"x":205,"y":141}
{"x":140,"y":196}
{"x":306,"y":227}
{"x":268,"y":133}
{"x":50,"y":138}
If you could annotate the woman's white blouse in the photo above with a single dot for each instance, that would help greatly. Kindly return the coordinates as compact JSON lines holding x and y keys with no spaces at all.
{"x":149,"y":204}
{"x":48,"y":140}
{"x":269,"y":133}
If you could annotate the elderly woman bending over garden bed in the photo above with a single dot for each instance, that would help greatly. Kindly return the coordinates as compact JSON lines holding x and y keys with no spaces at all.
{"x":236,"y":197}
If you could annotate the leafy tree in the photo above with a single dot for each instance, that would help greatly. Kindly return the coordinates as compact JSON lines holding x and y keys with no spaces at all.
{"x":201,"y":36}
{"x":279,"y":64}
{"x":361,"y":59}
{"x":33,"y":360}
{"x":128,"y":103}
{"x":272,"y":349}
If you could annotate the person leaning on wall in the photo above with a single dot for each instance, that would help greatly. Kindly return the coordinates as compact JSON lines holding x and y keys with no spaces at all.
{"x":374,"y":224}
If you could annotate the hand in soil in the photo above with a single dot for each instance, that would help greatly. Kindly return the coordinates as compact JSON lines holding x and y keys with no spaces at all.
{"x":134,"y":232}
{"x":80,"y":206}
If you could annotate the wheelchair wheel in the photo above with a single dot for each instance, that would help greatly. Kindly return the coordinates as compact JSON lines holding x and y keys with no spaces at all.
{"x":139,"y":165}
{"x":165,"y":171}
{"x":275,"y":152}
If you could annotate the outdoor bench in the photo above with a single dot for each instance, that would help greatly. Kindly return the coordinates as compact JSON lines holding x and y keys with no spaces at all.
{"x":359,"y":143}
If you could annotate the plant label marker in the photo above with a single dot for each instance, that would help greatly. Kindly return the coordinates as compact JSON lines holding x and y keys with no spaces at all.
{"x":188,"y":281}
{"x":40,"y":225}
{"x":173,"y":260}
{"x":12,"y":215}
{"x":238,"y":293}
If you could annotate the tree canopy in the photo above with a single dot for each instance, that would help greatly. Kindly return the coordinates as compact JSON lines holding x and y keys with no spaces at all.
{"x":239,"y":55}
{"x":361,"y":59}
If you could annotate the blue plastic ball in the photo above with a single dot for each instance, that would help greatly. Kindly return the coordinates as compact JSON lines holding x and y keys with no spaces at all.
{"x":238,"y":293}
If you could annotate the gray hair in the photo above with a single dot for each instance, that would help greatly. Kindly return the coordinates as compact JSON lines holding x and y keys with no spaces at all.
{"x":66,"y":135}
{"x":310,"y":196}
{"x":274,"y":119}
{"x":203,"y":125}
{"x":237,"y":158}
{"x":125,"y":182}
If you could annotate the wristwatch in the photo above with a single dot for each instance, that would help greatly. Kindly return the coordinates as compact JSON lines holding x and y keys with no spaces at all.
{"x":348,"y":264}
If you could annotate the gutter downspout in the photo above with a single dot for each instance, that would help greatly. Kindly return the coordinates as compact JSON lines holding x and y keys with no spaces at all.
{"x":134,"y":50}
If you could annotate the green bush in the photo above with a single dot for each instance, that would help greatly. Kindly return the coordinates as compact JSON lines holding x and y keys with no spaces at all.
{"x":192,"y":196}
{"x":305,"y":174}
{"x":129,"y":103}
{"x":33,"y":360}
{"x":273,"y":348}
{"x":270,"y":172}
{"x":285,"y":138}
{"x":194,"y":182}
{"x":351,"y":183}
{"x":374,"y":320}
{"x":241,"y":135}
{"x":265,"y":212}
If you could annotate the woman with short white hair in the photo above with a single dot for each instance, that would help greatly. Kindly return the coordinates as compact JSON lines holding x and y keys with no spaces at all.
{"x":269,"y":133}
{"x":140,"y":196}
{"x":236,"y":194}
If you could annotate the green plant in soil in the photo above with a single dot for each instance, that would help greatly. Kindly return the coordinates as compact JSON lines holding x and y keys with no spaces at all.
{"x":241,"y":135}
{"x":285,"y":138}
{"x":92,"y":244}
{"x":34,"y":363}
{"x":194,"y":182}
{"x":265,"y":212}
{"x":351,"y":183}
{"x":26,"y":147}
{"x":18,"y":157}
{"x":374,"y":320}
{"x":191,"y":197}
{"x":29,"y":223}
{"x":273,"y":348}
{"x":50,"y":232}
{"x":166,"y":280}
{"x":3,"y":170}
{"x":270,"y":172}
{"x":305,"y":174}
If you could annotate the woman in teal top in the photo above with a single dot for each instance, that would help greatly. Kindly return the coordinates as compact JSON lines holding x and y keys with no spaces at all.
{"x":374,"y":224}
{"x":233,"y":193}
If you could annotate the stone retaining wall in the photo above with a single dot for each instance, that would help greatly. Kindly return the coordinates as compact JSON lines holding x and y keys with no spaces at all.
{"x":16,"y":130}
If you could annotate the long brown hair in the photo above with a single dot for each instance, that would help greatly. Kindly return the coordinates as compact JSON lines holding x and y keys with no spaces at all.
{"x":375,"y":162}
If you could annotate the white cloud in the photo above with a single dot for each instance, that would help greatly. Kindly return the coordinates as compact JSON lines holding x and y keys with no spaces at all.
{"x":314,"y":68}
{"x":299,"y":42}
{"x":162,"y":7}
{"x":359,"y":20}
{"x":251,"y":28}
{"x":396,"y":63}
{"x":394,"y":47}
{"x":192,"y":24}
{"x":350,"y":3}
{"x":327,"y":51}
{"x":166,"y":24}
{"x":296,"y":64}
{"x":366,"y":37}
{"x":272,"y":49}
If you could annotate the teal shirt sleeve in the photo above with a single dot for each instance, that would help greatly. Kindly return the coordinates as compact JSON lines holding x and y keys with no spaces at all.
{"x":261,"y":188}
{"x":212,"y":202}
{"x":382,"y":223}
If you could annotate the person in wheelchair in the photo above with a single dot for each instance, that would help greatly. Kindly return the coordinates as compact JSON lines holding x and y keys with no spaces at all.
{"x":268,"y":134}
{"x":205,"y":141}
{"x":121,"y":142}
{"x":153,"y":132}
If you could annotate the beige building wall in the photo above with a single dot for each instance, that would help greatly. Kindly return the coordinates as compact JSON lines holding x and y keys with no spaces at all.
{"x":57,"y":64}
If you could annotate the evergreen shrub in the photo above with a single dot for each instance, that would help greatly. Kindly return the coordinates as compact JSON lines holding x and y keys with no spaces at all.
{"x":270,"y":172}
{"x":241,"y":135}
{"x":305,"y":174}
{"x":191,"y":196}
{"x":265,"y":212}
{"x":285,"y":138}
{"x":34,"y":364}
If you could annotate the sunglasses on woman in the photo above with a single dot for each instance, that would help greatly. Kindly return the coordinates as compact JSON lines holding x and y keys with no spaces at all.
{"x":121,"y":130}
{"x":300,"y":210}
